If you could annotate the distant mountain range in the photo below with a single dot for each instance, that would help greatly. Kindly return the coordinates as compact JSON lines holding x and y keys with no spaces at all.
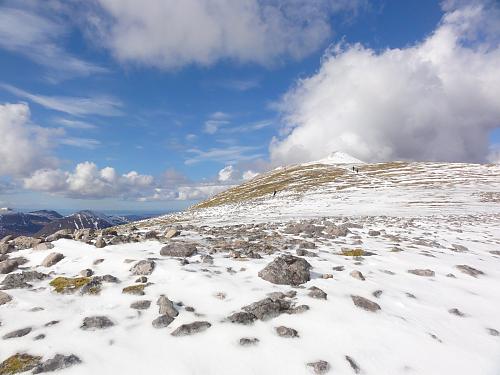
{"x":46,"y":222}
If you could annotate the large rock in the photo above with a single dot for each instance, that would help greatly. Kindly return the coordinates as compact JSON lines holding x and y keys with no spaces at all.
{"x":143,"y":267}
{"x":25,"y":242}
{"x":63,"y":233}
{"x":191,"y":328}
{"x":287,"y":270}
{"x":43,"y":246}
{"x":162,"y":321}
{"x":179,"y":249}
{"x":17,"y":333}
{"x":52,"y":259}
{"x":268,"y":308}
{"x":58,"y":362}
{"x":365,"y":303}
{"x":19,"y":362}
{"x":171,"y":233}
{"x":21,"y":280}
{"x":166,"y":307}
{"x":4,"y":298}
{"x":100,"y":243}
{"x":6,"y":248}
{"x":93,"y":323}
{"x":7,"y":266}
{"x":471,"y":271}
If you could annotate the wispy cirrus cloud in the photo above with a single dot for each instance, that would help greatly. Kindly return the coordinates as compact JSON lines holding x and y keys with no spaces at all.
{"x":76,"y":106}
{"x":27,"y":28}
{"x":74,"y":124}
{"x":230,"y":155}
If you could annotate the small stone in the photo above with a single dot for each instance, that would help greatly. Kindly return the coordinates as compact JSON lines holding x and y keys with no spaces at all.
{"x":58,"y":362}
{"x":4,"y":298}
{"x":373,"y":233}
{"x":469,"y":270}
{"x":140,"y":305}
{"x":353,"y":364}
{"x":283,"y":331}
{"x":207,"y":259}
{"x":52,"y":323}
{"x":179,"y":249}
{"x":316,"y":292}
{"x":93,"y":323}
{"x":459,"y":248}
{"x":377,"y":293}
{"x":249,"y":341}
{"x":327,"y":276}
{"x":191,"y":328}
{"x":20,"y":280}
{"x":171,"y":233}
{"x":162,"y":321}
{"x":493,"y":332}
{"x":422,"y":272}
{"x":365,"y":303}
{"x":319,"y":367}
{"x":142,"y":279}
{"x":43,"y":246}
{"x":357,"y":275}
{"x":165,"y":306}
{"x":98,"y":261}
{"x":19,"y":362}
{"x":137,"y":290}
{"x":298,"y":309}
{"x":41,"y":336}
{"x":52,"y":259}
{"x":100,"y":243}
{"x":143,"y":267}
{"x":410,"y":295}
{"x":86,"y":273}
{"x":338,"y":268}
{"x":17,"y":333}
{"x":242,"y":317}
{"x":456,"y":312}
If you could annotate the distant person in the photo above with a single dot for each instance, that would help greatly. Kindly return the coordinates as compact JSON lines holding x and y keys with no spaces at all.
{"x":357,"y":170}
{"x":274,"y":193}
{"x":353,"y":168}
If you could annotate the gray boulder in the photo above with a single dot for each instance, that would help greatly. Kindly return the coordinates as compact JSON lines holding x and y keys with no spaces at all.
{"x":93,"y":323}
{"x":422,"y":272}
{"x":191,"y":328}
{"x":287,"y":270}
{"x":6,"y":248}
{"x":7,"y":266}
{"x":58,"y":362}
{"x":317,"y":293}
{"x":4,"y":298}
{"x":143,"y":267}
{"x":357,"y":275}
{"x":25,"y":242}
{"x":43,"y":246}
{"x":283,"y":331}
{"x":469,"y":270}
{"x":166,"y":307}
{"x":140,"y":305}
{"x":365,"y":303}
{"x":319,"y":367}
{"x":162,"y":321}
{"x":52,"y":259}
{"x":17,"y":333}
{"x":21,"y":280}
{"x":63,"y":233}
{"x":179,"y":249}
{"x":100,"y":243}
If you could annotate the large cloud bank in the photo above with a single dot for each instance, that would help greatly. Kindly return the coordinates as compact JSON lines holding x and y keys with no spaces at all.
{"x":173,"y":33}
{"x":436,"y":100}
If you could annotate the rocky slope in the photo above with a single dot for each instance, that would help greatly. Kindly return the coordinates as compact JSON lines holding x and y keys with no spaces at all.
{"x":392,"y":270}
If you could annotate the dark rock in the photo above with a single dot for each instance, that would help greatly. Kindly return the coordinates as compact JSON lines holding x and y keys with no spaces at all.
{"x":143,"y":267}
{"x":242,"y":317}
{"x":338,"y":268}
{"x":456,"y":312}
{"x":422,"y":272}
{"x":92,"y":288}
{"x":191,"y":328}
{"x":249,"y":341}
{"x":267,"y":308}
{"x":17,"y":333}
{"x":459,"y":248}
{"x":52,"y":323}
{"x":316,"y":292}
{"x":298,"y":309}
{"x":7,"y":266}
{"x":493,"y":332}
{"x":353,"y":364}
{"x":357,"y":275}
{"x":377,"y":293}
{"x":179,"y":249}
{"x":142,"y":279}
{"x":58,"y":362}
{"x":305,"y":253}
{"x":20,"y":280}
{"x":41,"y":336}
{"x":373,"y":233}
{"x":93,"y":323}
{"x":287,"y":270}
{"x":162,"y":321}
{"x":469,"y":270}
{"x":365,"y":303}
{"x":86,"y":272}
{"x":140,"y":305}
{"x":319,"y":367}
{"x":283,"y":331}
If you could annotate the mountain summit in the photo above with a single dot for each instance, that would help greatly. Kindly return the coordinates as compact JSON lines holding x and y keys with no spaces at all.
{"x":338,"y":157}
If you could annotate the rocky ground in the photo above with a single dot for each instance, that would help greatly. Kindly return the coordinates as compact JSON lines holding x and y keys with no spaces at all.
{"x":340,"y":295}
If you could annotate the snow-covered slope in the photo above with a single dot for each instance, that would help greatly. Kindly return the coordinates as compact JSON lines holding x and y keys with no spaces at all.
{"x":406,"y":257}
{"x":338,"y":157}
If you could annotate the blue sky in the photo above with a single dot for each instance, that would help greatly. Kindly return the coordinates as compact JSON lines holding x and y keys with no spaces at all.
{"x":105,"y":85}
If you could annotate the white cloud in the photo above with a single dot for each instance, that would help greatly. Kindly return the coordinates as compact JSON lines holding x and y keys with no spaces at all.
{"x":436,"y":100}
{"x":74,"y":124}
{"x":235,"y":175}
{"x":24,"y":147}
{"x":171,"y":33}
{"x":239,"y":84}
{"x":76,"y":106}
{"x":25,"y":30}
{"x":88,"y":143}
{"x":229,"y":154}
{"x":87,"y":181}
{"x":227,"y":174}
{"x":494,"y":154}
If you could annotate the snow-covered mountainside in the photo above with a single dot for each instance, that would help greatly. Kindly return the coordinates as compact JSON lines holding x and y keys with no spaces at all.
{"x":392,"y":270}
{"x":19,"y":223}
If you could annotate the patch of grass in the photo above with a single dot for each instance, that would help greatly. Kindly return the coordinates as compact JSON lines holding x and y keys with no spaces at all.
{"x":19,"y":363}
{"x":353,"y":252}
{"x":68,"y":284}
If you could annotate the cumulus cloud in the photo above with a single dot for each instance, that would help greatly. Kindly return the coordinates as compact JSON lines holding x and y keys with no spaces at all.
{"x":171,"y":33}
{"x":24,"y":147}
{"x":88,"y":181}
{"x":436,"y":100}
{"x":234,"y":174}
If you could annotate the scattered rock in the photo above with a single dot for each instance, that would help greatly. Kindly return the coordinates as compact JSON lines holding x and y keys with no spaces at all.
{"x":93,"y":323}
{"x":7,"y":266}
{"x":58,"y":362}
{"x":97,"y":261}
{"x":142,"y":279}
{"x":165,"y":306}
{"x":319,"y":367}
{"x":162,"y":321}
{"x":86,"y":272}
{"x":92,"y":288}
{"x":67,"y":285}
{"x":268,"y":308}
{"x":316,"y":292}
{"x":242,"y":317}
{"x":249,"y":341}
{"x":493,"y":332}
{"x":143,"y":267}
{"x":52,"y":259}
{"x":19,"y":362}
{"x":20,"y":280}
{"x":287,"y":270}
{"x":422,"y":272}
{"x":25,"y":242}
{"x":283,"y":331}
{"x":41,"y":336}
{"x":207,"y":259}
{"x":191,"y":328}
{"x":373,"y":233}
{"x":459,"y":248}
{"x":179,"y":249}
{"x":469,"y":270}
{"x":365,"y":303}
{"x":51,"y":323}
{"x":63,"y":233}
{"x":353,"y":364}
{"x":171,"y":233}
{"x":140,"y":305}
{"x":456,"y":312}
{"x":100,"y":243}
{"x":377,"y":293}
{"x":6,"y":248}
{"x":4,"y":298}
{"x":357,"y":275}
{"x":305,"y":253}
{"x":338,"y":268}
{"x":43,"y":246}
{"x":17,"y":333}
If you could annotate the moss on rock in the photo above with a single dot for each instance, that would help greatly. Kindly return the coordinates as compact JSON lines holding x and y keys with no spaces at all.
{"x":353,"y":252}
{"x":137,"y":289}
{"x":69,"y":284}
{"x":19,"y":362}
